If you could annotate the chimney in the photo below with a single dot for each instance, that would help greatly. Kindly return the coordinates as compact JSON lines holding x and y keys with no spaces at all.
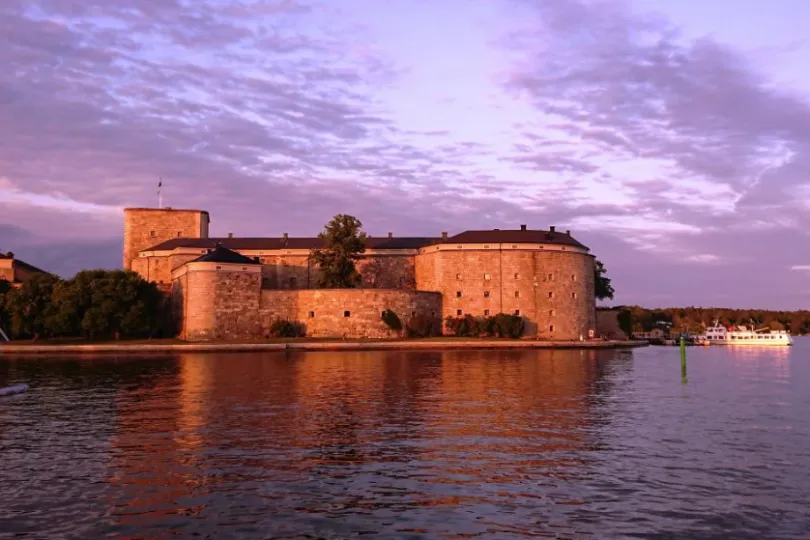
{"x":444,"y":235}
{"x":568,"y":232}
{"x":286,"y":237}
{"x":230,"y":235}
{"x":390,"y":235}
{"x":10,"y":254}
{"x":523,"y":227}
{"x":551,"y":229}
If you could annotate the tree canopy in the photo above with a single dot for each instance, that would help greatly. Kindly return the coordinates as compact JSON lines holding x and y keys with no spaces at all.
{"x":93,"y":304}
{"x":344,"y":243}
{"x":603,"y":288}
{"x":696,"y":319}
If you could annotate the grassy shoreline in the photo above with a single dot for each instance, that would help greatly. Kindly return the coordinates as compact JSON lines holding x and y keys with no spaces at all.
{"x":299,"y":344}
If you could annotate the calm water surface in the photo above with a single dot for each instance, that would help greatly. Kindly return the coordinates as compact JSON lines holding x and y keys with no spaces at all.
{"x":563,"y":444}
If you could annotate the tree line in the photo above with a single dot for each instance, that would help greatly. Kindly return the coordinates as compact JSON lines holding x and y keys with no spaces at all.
{"x":697,"y":319}
{"x":94,"y":304}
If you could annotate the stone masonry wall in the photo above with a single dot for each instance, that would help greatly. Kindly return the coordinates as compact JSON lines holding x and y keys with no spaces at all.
{"x":294,"y":271}
{"x":552,"y":290}
{"x":217,"y":302}
{"x":146,"y":227}
{"x":350,"y":313}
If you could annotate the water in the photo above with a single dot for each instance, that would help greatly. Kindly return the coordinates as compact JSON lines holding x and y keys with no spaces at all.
{"x":549,"y":444}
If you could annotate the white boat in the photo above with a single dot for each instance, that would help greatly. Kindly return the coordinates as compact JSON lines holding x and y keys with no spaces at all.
{"x":744,"y":336}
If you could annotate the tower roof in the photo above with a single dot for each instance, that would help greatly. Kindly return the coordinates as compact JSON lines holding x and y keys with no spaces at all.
{"x":222,"y":254}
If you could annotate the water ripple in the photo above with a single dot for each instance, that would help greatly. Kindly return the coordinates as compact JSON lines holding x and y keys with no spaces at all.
{"x":528,"y":444}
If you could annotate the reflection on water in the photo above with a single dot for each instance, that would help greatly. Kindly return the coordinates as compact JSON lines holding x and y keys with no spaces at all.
{"x":517,"y":444}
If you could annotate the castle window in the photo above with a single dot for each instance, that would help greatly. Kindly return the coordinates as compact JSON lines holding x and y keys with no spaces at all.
{"x":458,"y":276}
{"x":152,"y":234}
{"x":486,"y":294}
{"x":574,"y":295}
{"x":413,"y":314}
{"x":458,"y":294}
{"x":517,"y":276}
{"x":219,"y":268}
{"x":551,"y":328}
{"x":432,"y":313}
{"x":458,"y":312}
{"x":486,"y":313}
{"x":486,"y":247}
{"x":382,"y":314}
{"x":573,"y":277}
{"x":517,"y":312}
{"x":550,"y":294}
{"x":179,"y":234}
{"x":486,"y":276}
{"x":517,"y":294}
{"x":514,"y":246}
{"x":551,"y":277}
{"x":311,"y":314}
{"x":347,"y":313}
{"x":551,"y":313}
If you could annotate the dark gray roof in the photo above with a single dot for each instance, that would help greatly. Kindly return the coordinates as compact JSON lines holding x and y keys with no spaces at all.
{"x":515,"y":236}
{"x":268,"y":244}
{"x":495,"y":236}
{"x":21,"y":263}
{"x":224,"y":255}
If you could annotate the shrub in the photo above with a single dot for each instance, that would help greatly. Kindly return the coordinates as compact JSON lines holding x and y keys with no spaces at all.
{"x":466,"y":326}
{"x":391,"y":320}
{"x":287,"y":329}
{"x":500,"y":325}
{"x":420,"y":326}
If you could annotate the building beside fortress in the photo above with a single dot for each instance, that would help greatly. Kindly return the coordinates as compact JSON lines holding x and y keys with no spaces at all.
{"x":16,"y":271}
{"x":235,"y":288}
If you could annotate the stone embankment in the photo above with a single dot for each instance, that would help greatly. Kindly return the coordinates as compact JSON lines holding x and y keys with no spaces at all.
{"x":414,"y":345}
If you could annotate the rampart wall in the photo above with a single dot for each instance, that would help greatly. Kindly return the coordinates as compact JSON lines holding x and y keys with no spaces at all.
{"x":351,"y":313}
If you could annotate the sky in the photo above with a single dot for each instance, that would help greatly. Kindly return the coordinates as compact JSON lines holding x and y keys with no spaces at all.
{"x":672,"y":137}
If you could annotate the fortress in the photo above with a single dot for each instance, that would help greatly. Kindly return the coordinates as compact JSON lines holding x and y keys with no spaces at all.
{"x":235,"y":288}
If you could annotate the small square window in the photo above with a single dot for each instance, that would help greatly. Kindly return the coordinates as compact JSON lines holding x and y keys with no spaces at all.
{"x":517,"y":276}
{"x":219,"y":268}
{"x":573,"y":295}
{"x":458,"y":312}
{"x":486,"y":313}
{"x":486,"y":276}
{"x":573,"y":277}
{"x":347,"y":313}
{"x":550,"y":294}
{"x":413,"y":314}
{"x":311,"y":314}
{"x":458,"y":294}
{"x":517,"y":294}
{"x":551,"y":313}
{"x":517,"y":312}
{"x":551,"y":277}
{"x":179,"y":234}
{"x":486,"y":294}
{"x":458,"y":276}
{"x":152,"y":234}
{"x":551,"y":328}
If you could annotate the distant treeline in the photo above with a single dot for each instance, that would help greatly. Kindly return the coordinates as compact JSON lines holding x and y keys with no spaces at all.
{"x":695,"y":319}
{"x":94,"y":304}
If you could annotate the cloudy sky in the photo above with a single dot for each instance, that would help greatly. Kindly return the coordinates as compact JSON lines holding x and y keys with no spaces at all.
{"x":671,"y":136}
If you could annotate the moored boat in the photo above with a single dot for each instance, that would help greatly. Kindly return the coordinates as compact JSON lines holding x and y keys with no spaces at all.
{"x":741,"y":335}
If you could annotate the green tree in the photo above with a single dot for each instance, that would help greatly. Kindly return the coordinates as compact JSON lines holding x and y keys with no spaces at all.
{"x":344,"y":243}
{"x":29,"y":308}
{"x":603,"y":288}
{"x":5,"y":290}
{"x":121,"y":304}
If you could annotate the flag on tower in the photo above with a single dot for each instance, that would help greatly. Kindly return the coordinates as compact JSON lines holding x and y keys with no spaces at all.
{"x":160,"y":197}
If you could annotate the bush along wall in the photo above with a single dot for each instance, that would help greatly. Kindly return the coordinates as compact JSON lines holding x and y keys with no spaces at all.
{"x":501,"y":325}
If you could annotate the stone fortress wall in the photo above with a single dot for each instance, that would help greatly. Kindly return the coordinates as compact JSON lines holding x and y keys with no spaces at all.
{"x":550,"y":284}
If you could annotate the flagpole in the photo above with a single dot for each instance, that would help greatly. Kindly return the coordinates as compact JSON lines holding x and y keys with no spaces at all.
{"x":160,"y":195}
